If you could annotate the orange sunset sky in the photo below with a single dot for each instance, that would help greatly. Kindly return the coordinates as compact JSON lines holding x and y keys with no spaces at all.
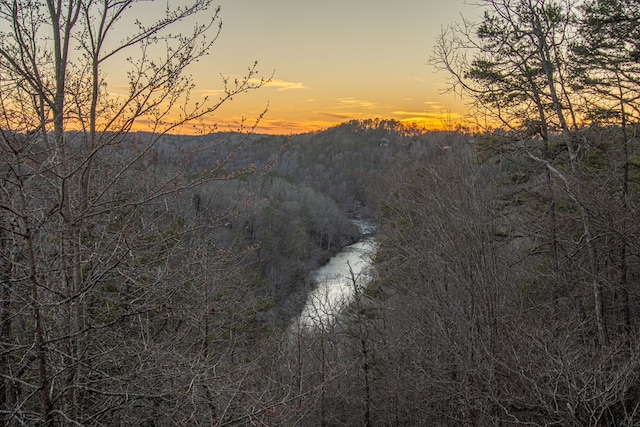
{"x":332,"y":61}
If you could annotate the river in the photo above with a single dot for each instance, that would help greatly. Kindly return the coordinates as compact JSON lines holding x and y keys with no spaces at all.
{"x":335,"y":285}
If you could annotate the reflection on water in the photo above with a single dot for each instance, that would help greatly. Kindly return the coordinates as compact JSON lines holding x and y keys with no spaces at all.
{"x":337,"y":280}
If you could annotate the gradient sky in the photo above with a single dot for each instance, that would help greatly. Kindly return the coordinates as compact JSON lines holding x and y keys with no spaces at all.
{"x":332,"y":61}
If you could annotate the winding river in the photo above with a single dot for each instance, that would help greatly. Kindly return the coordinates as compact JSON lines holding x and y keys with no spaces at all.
{"x":337,"y":280}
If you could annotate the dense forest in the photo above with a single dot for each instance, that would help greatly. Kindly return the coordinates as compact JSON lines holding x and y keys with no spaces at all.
{"x":152,"y":278}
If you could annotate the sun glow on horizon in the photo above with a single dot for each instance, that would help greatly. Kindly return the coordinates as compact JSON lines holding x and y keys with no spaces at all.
{"x":371,"y":64}
{"x":274,"y":126}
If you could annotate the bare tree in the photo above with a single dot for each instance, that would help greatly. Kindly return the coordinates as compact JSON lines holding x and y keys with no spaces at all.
{"x":90,"y":247}
{"x":519,"y":75}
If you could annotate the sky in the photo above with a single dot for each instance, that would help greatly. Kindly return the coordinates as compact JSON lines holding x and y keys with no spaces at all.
{"x":332,"y":61}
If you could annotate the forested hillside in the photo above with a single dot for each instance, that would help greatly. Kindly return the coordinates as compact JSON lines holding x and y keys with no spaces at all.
{"x":294,"y":198}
